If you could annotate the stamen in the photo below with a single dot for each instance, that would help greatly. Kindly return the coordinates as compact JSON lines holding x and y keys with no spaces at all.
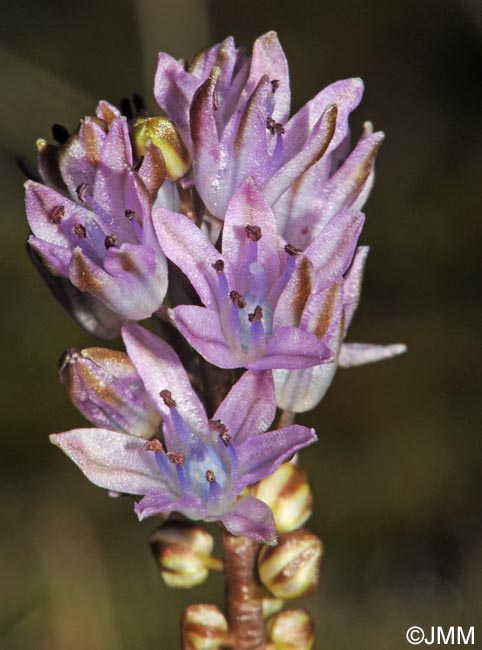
{"x":218,"y":266}
{"x":237,"y":299}
{"x":253,"y":232}
{"x":57,"y":214}
{"x":80,"y":231}
{"x":274,"y":127}
{"x":222,"y":429}
{"x":210,"y":476}
{"x":167,"y":398}
{"x":130,"y":215}
{"x":60,"y":133}
{"x":257,"y":314}
{"x":292,"y":250}
{"x":110,"y":241}
{"x":175,"y":458}
{"x":154,"y":445}
{"x":225,"y":438}
{"x":81,"y":190}
{"x":275,"y":83}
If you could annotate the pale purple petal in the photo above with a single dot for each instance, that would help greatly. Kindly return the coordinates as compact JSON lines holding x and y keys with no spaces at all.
{"x":291,"y":347}
{"x":111,"y":460}
{"x":352,"y":284}
{"x":55,"y":258}
{"x":261,"y":455}
{"x":301,"y":390}
{"x":160,"y":368}
{"x":269,"y":59}
{"x":201,"y":327}
{"x":251,"y":518}
{"x":357,"y":354}
{"x":162,"y":502}
{"x":249,"y":407}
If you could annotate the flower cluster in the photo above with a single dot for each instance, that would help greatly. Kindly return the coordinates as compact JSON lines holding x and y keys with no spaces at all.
{"x":235,"y":227}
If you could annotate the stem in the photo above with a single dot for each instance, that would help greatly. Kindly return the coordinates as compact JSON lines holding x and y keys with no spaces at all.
{"x":244,"y":607}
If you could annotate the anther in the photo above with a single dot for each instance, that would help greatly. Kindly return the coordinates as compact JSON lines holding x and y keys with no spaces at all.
{"x":238,"y":299}
{"x":292,"y":250}
{"x":217,"y":425}
{"x":167,"y":398}
{"x":57,"y":214}
{"x":275,"y":84}
{"x":110,"y":241}
{"x":218,"y":266}
{"x":274,"y":127}
{"x":60,"y":133}
{"x":175,"y":458}
{"x":210,"y":476}
{"x":253,"y":232}
{"x":79,"y":230}
{"x":154,"y":445}
{"x":256,"y":315}
{"x":81,"y":190}
{"x":130,"y":215}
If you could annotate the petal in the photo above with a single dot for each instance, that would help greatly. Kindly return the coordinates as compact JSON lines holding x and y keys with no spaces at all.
{"x":269,"y":59}
{"x":357,"y":354}
{"x":162,"y":502}
{"x":301,"y":390}
{"x":249,"y":207}
{"x":55,"y":258}
{"x":249,"y":407}
{"x":153,"y":169}
{"x":111,"y":460}
{"x":291,"y":347}
{"x":261,"y":455}
{"x":352,"y":284}
{"x":189,"y":248}
{"x":251,"y":518}
{"x":332,"y":251}
{"x":201,"y":327}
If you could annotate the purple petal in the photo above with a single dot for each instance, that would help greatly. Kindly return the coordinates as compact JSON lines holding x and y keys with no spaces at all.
{"x":352,"y":284}
{"x":55,"y":258}
{"x":251,"y":518}
{"x":249,"y":407}
{"x":291,"y":347}
{"x":261,"y":455}
{"x":269,"y":59}
{"x":249,"y":207}
{"x":161,"y":502}
{"x":201,"y":327}
{"x":186,"y":246}
{"x":160,"y":368}
{"x":332,"y":251}
{"x":111,"y":460}
{"x":357,"y":354}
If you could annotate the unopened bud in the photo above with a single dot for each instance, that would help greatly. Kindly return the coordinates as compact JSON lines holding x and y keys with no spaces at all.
{"x":105,"y":387}
{"x":271,"y":606}
{"x":164,"y":135}
{"x":288,"y":494}
{"x":292,"y":568}
{"x":203,"y":628}
{"x":291,"y":630}
{"x":183,"y":552}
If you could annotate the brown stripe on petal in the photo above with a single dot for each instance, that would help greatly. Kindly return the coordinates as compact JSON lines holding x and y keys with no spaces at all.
{"x":303,"y":290}
{"x":327,"y":311}
{"x":203,"y":96}
{"x":91,"y":141}
{"x":84,"y":279}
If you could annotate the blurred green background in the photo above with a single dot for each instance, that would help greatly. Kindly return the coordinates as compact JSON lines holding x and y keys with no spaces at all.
{"x":396,"y":474}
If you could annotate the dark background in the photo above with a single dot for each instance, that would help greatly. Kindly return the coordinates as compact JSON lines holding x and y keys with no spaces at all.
{"x":396,"y":474}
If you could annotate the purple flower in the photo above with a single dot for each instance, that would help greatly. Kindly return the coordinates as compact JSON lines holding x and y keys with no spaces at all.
{"x":301,"y":390}
{"x":264,"y":299}
{"x":234,"y":109}
{"x":100,"y":239}
{"x":202,"y":466}
{"x":105,"y":387}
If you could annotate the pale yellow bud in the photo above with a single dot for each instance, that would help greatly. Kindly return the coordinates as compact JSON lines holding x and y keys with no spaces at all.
{"x":164,"y":135}
{"x":271,"y":606}
{"x":183,"y":552}
{"x":203,"y":628}
{"x":291,"y":630}
{"x":292,"y":568}
{"x":288,"y":495}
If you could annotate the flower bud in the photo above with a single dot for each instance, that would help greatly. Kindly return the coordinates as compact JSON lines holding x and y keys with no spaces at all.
{"x":288,"y":494}
{"x":164,"y":135}
{"x":271,"y":606}
{"x":203,"y":628}
{"x":105,"y":387}
{"x":183,"y":552}
{"x":291,"y":630}
{"x":292,"y":568}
